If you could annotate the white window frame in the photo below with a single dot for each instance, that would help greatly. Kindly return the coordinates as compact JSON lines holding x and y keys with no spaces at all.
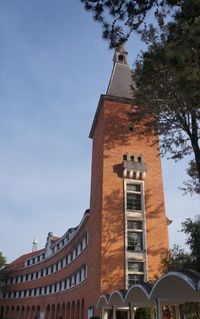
{"x":135,"y":215}
{"x":134,"y":182}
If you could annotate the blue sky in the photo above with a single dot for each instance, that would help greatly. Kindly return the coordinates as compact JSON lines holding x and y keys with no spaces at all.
{"x":53,"y":67}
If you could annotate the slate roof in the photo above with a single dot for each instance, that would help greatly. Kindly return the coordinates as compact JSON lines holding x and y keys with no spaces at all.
{"x":19,"y":262}
{"x":120,"y":81}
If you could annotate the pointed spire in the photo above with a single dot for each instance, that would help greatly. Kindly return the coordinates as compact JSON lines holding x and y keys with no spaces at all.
{"x":121,"y":77}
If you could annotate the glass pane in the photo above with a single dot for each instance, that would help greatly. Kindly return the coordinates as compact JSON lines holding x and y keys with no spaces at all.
{"x":134,"y":201}
{"x":135,"y":279}
{"x":133,"y":187}
{"x":135,"y":266}
{"x":134,"y":224}
{"x":125,"y":157}
{"x":135,"y":241}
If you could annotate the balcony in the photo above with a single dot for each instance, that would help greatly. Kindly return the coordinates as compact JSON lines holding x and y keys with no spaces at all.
{"x":134,"y":170}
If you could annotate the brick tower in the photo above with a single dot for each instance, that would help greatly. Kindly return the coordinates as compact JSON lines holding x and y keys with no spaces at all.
{"x":127,"y":213}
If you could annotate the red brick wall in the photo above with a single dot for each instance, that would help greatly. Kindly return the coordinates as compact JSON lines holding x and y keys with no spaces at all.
{"x":113,"y":130}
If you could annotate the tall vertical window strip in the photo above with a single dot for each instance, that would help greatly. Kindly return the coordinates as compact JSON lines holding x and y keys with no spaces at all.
{"x":133,"y":196}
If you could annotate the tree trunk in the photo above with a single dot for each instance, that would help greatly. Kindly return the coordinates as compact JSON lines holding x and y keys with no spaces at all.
{"x":194,"y":141}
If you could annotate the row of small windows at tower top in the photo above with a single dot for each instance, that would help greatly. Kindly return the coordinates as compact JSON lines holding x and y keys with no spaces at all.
{"x":54,"y":267}
{"x":132,"y":158}
{"x":74,"y":279}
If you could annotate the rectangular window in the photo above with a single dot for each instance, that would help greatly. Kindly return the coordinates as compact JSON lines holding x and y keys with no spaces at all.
{"x":125,"y":157}
{"x":133,"y":201}
{"x":134,"y":279}
{"x":133,"y":196}
{"x":134,"y":224}
{"x":135,"y":242}
{"x":135,"y":266}
{"x":133,"y":187}
{"x":73,"y":280}
{"x":140,"y":158}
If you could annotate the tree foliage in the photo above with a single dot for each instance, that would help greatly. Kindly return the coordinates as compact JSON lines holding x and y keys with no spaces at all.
{"x":177,"y":259}
{"x":192,"y":229}
{"x":144,"y":313}
{"x":2,"y":261}
{"x":192,"y":185}
{"x":3,"y":271}
{"x":119,"y":18}
{"x":167,"y":91}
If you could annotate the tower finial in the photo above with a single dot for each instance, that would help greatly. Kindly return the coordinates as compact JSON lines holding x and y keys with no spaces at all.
{"x":120,"y":55}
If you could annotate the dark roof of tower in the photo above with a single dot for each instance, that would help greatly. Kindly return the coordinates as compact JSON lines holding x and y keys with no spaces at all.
{"x":121,"y":77}
{"x":119,"y":87}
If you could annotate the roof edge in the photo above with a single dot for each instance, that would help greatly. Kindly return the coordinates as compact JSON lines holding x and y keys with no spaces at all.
{"x":107,"y":98}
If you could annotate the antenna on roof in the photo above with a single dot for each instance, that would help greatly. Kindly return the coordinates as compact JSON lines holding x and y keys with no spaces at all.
{"x":34,"y":246}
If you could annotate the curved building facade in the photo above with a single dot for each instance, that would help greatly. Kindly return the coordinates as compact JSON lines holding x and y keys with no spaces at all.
{"x":122,"y":235}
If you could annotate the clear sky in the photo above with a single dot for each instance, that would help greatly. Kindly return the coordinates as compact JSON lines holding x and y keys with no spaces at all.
{"x":53,"y":67}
